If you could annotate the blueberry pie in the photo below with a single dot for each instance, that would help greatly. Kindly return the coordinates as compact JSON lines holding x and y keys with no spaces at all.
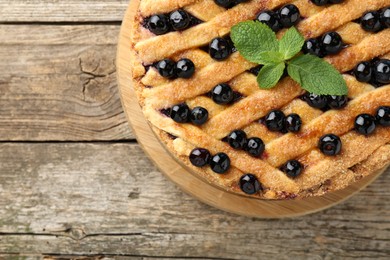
{"x":203,"y":98}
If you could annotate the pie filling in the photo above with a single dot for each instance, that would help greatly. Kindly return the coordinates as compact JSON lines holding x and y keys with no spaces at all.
{"x":252,"y":139}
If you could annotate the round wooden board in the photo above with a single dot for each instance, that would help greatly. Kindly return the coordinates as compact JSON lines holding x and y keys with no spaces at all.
{"x":198,"y":188}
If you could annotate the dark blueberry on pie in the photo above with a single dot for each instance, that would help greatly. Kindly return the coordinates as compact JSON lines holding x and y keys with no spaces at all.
{"x":249,"y":184}
{"x":240,"y":1}
{"x":365,"y":124}
{"x":382,"y":71}
{"x":383,"y":116}
{"x":199,"y":157}
{"x":331,"y":43}
{"x":166,"y":112}
{"x":237,"y":139}
{"x":222,"y":94}
{"x":316,"y":101}
{"x":274,"y":120}
{"x":255,"y":146}
{"x":199,"y":115}
{"x":220,"y":163}
{"x":336,"y":1}
{"x":179,"y":20}
{"x":255,"y":71}
{"x":330,"y":144}
{"x":371,"y":21}
{"x":225,"y":3}
{"x":158,"y":24}
{"x":185,"y":68}
{"x":337,"y":102}
{"x":385,"y":17}
{"x":363,"y":72}
{"x":271,"y":19}
{"x":313,"y":47}
{"x":289,"y":15}
{"x":180,"y":113}
{"x":320,"y":2}
{"x":220,"y":49}
{"x":292,"y":168}
{"x":166,"y":68}
{"x":293,"y":123}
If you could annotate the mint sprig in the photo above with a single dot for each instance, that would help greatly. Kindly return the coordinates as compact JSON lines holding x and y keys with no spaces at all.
{"x":257,"y":43}
{"x":270,"y":74}
{"x":316,"y":76}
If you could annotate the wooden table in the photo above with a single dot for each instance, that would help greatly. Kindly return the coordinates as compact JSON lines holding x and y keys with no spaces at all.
{"x":74,"y":182}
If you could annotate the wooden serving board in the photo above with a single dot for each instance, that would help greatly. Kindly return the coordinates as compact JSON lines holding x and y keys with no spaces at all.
{"x":188,"y":181}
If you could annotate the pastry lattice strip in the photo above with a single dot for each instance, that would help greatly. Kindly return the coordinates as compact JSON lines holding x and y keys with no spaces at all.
{"x":152,"y":78}
{"x":204,"y":10}
{"x":221,"y":24}
{"x":356,"y":156}
{"x":173,"y":92}
{"x":246,"y":163}
{"x":346,"y":28}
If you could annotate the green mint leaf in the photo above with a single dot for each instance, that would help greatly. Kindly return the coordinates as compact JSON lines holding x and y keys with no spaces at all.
{"x":270,"y":57}
{"x":253,"y":38}
{"x":291,"y":43}
{"x":270,"y":74}
{"x":317,"y":76}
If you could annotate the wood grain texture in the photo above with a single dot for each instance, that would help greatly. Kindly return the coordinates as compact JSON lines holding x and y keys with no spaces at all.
{"x":62,"y":11}
{"x":107,"y":199}
{"x":59,"y":83}
{"x":76,"y":199}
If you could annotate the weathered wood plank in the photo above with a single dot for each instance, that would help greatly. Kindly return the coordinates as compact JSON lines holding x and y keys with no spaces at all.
{"x":62,"y":11}
{"x":59,"y":83}
{"x":108,"y":199}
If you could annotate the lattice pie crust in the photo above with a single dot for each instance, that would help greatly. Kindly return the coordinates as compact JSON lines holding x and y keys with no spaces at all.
{"x":361,"y":155}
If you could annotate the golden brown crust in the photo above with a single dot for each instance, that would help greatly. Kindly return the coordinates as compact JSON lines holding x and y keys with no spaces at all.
{"x":361,"y":155}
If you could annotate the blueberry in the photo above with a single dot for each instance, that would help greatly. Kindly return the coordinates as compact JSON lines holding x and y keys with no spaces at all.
{"x":220,"y":49}
{"x":313,"y":47}
{"x":385,"y":17}
{"x":179,"y":20}
{"x":363,"y":72}
{"x":237,"y":139}
{"x":293,"y":123}
{"x":331,"y":43}
{"x":330,"y":144}
{"x":316,"y":101}
{"x":337,"y":102}
{"x":271,"y":19}
{"x":199,"y":115}
{"x":255,"y":71}
{"x":289,"y":15}
{"x":166,"y":68}
{"x":222,"y":94}
{"x":220,"y":163}
{"x":365,"y":124}
{"x":249,"y":184}
{"x":199,"y":157}
{"x":292,"y":168}
{"x":255,"y":146}
{"x":383,"y":116}
{"x":240,"y":1}
{"x":274,"y":120}
{"x":371,"y":21}
{"x":320,"y":2}
{"x":382,"y":71}
{"x":158,"y":24}
{"x":336,"y":1}
{"x":180,"y":113}
{"x":166,"y":112}
{"x":225,"y":3}
{"x":185,"y":68}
